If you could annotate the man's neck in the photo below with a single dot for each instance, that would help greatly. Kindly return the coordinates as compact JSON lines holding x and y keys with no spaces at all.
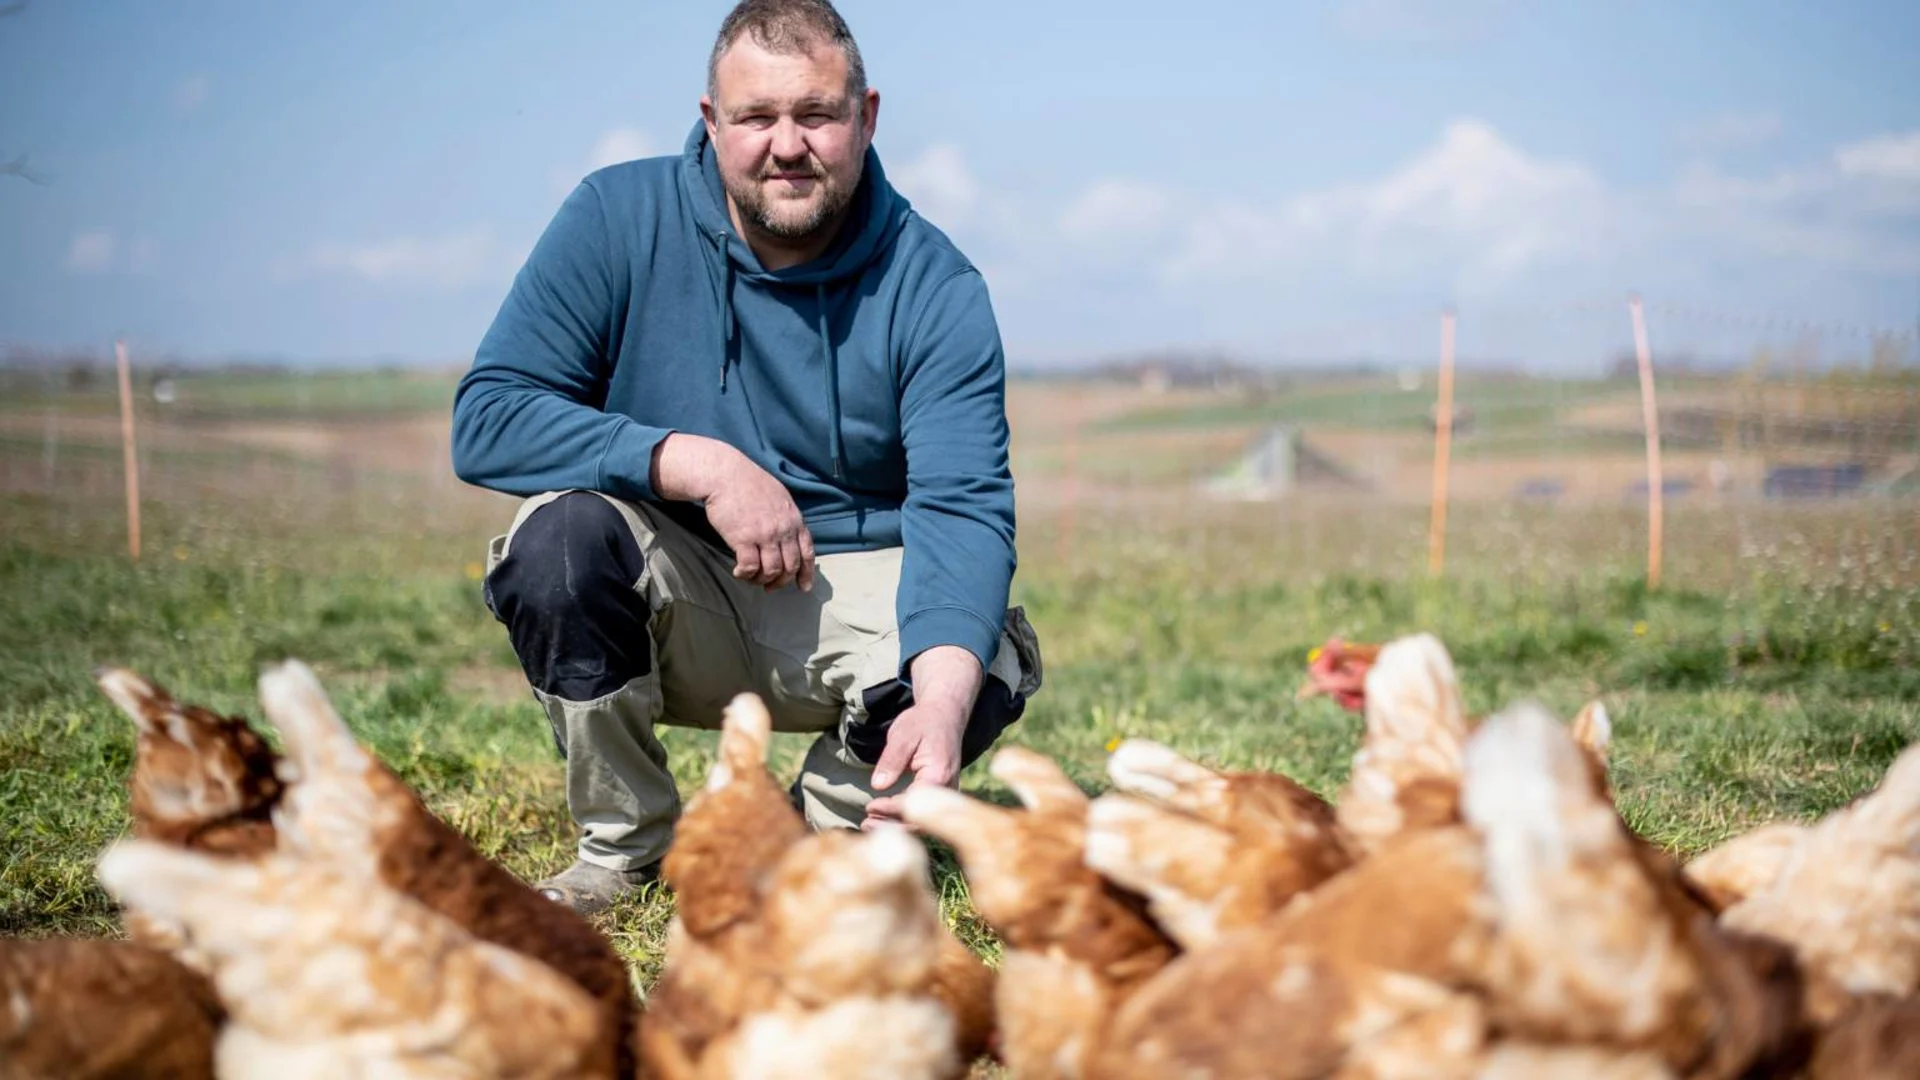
{"x":778,"y":253}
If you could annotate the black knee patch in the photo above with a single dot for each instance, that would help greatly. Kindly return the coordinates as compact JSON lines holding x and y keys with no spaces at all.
{"x":994,"y":711}
{"x":565,"y":592}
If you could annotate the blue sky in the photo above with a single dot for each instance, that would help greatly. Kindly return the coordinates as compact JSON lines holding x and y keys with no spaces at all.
{"x":1289,"y":181}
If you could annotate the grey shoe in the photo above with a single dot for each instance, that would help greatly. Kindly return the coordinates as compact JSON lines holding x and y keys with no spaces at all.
{"x":590,"y":889}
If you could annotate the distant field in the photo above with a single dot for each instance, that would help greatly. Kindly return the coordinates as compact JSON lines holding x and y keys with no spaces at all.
{"x":1775,"y":676}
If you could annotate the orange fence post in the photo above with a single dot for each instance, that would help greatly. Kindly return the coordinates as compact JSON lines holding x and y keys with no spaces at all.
{"x":127,"y":447}
{"x":1442,"y":450}
{"x":1650,"y":412}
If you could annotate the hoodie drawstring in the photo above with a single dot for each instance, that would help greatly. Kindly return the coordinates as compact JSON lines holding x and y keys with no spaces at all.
{"x":726,"y":308}
{"x":831,"y":360}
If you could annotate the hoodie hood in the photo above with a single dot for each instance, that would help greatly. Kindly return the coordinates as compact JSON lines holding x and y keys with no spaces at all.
{"x":874,"y":219}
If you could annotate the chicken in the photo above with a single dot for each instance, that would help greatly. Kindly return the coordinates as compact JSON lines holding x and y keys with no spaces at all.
{"x":745,"y":968}
{"x":1589,"y":941}
{"x":81,"y":1010}
{"x":1211,"y":852}
{"x":1077,"y":946}
{"x":1876,"y":1038}
{"x":833,"y":974}
{"x":200,"y":781}
{"x":1338,"y":670}
{"x":850,"y":935}
{"x":345,"y":808}
{"x":1244,"y":1009}
{"x":1406,"y":774}
{"x":326,"y":974}
{"x":1744,"y":865}
{"x":1846,"y":899}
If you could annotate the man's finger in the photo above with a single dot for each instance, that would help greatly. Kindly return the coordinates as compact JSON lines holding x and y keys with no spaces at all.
{"x":772,"y":565}
{"x":882,"y":811}
{"x":746,"y":562}
{"x":805,"y":576}
{"x":900,"y":748}
{"x":790,"y":556}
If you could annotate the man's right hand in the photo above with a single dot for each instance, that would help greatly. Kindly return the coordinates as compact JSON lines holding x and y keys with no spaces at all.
{"x":752,"y":511}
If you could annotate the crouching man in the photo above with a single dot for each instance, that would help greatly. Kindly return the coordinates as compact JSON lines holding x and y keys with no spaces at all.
{"x":757,"y":405}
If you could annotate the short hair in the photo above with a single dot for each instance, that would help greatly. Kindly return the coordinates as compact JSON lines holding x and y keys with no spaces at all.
{"x":788,"y":28}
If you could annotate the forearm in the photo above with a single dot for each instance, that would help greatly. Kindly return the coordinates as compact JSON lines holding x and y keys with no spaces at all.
{"x":523,"y":439}
{"x":946,"y":677}
{"x":690,"y":468}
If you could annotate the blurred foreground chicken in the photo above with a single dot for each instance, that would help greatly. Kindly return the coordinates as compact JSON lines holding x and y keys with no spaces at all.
{"x":200,"y":781}
{"x":1846,"y":896}
{"x":1535,"y":939}
{"x":344,"y":808}
{"x":1590,"y":940}
{"x":1406,"y":774}
{"x":803,"y":956}
{"x":1077,"y":946}
{"x":93,"y":1010}
{"x":1744,"y":865}
{"x":325,"y":973}
{"x":1212,"y":852}
{"x":1876,"y":1038}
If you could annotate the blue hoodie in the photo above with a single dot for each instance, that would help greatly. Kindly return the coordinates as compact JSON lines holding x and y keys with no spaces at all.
{"x":870,"y":380}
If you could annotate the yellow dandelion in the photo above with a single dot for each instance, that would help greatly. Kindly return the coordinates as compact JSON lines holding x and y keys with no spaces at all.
{"x":180,"y":554}
{"x":1640,"y":629}
{"x":1313,"y":655}
{"x":1886,"y":628}
{"x":475,"y":571}
{"x":1113,"y":744}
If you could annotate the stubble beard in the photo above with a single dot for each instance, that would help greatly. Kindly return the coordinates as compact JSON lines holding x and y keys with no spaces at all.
{"x":764,"y":215}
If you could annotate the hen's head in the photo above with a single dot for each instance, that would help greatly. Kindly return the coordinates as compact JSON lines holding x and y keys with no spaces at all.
{"x":191,"y":765}
{"x":1338,"y":670}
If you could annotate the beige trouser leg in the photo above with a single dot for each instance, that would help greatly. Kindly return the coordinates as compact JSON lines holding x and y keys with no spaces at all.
{"x":807,"y":654}
{"x":835,"y":787}
{"x":618,"y":787}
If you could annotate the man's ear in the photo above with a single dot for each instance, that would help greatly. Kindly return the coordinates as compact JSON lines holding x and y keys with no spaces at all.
{"x":711,"y":115}
{"x":870,"y":113}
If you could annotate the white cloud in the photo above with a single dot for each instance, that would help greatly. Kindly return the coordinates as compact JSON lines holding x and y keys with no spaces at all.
{"x":1473,"y":218}
{"x":192,"y":92}
{"x":939,"y":185}
{"x":612,"y":147}
{"x":617,"y":145}
{"x":450,"y":261}
{"x":1472,"y":203}
{"x":1114,"y":209}
{"x":1888,"y":157}
{"x":91,"y":252}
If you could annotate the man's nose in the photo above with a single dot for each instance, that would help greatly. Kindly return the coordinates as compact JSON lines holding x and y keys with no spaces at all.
{"x":789,"y":141}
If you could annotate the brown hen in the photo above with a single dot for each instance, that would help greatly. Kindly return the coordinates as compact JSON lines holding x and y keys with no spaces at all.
{"x":1077,"y":945}
{"x":326,"y":973}
{"x":1212,"y":852}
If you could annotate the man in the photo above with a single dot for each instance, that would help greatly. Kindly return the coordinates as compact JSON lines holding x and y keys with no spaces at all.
{"x":758,"y":406}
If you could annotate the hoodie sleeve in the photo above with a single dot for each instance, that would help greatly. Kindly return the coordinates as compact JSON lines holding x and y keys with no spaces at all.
{"x":528,"y":417}
{"x":957,"y":523}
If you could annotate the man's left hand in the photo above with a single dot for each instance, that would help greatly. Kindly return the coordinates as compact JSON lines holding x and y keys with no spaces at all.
{"x":925,"y":738}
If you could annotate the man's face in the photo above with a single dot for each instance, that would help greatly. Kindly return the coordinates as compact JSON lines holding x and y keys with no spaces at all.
{"x":790,"y":141}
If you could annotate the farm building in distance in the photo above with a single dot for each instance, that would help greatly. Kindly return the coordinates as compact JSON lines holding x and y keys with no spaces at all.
{"x":1277,"y":463}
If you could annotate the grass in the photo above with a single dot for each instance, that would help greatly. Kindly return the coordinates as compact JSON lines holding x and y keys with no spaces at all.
{"x":1775,"y":686}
